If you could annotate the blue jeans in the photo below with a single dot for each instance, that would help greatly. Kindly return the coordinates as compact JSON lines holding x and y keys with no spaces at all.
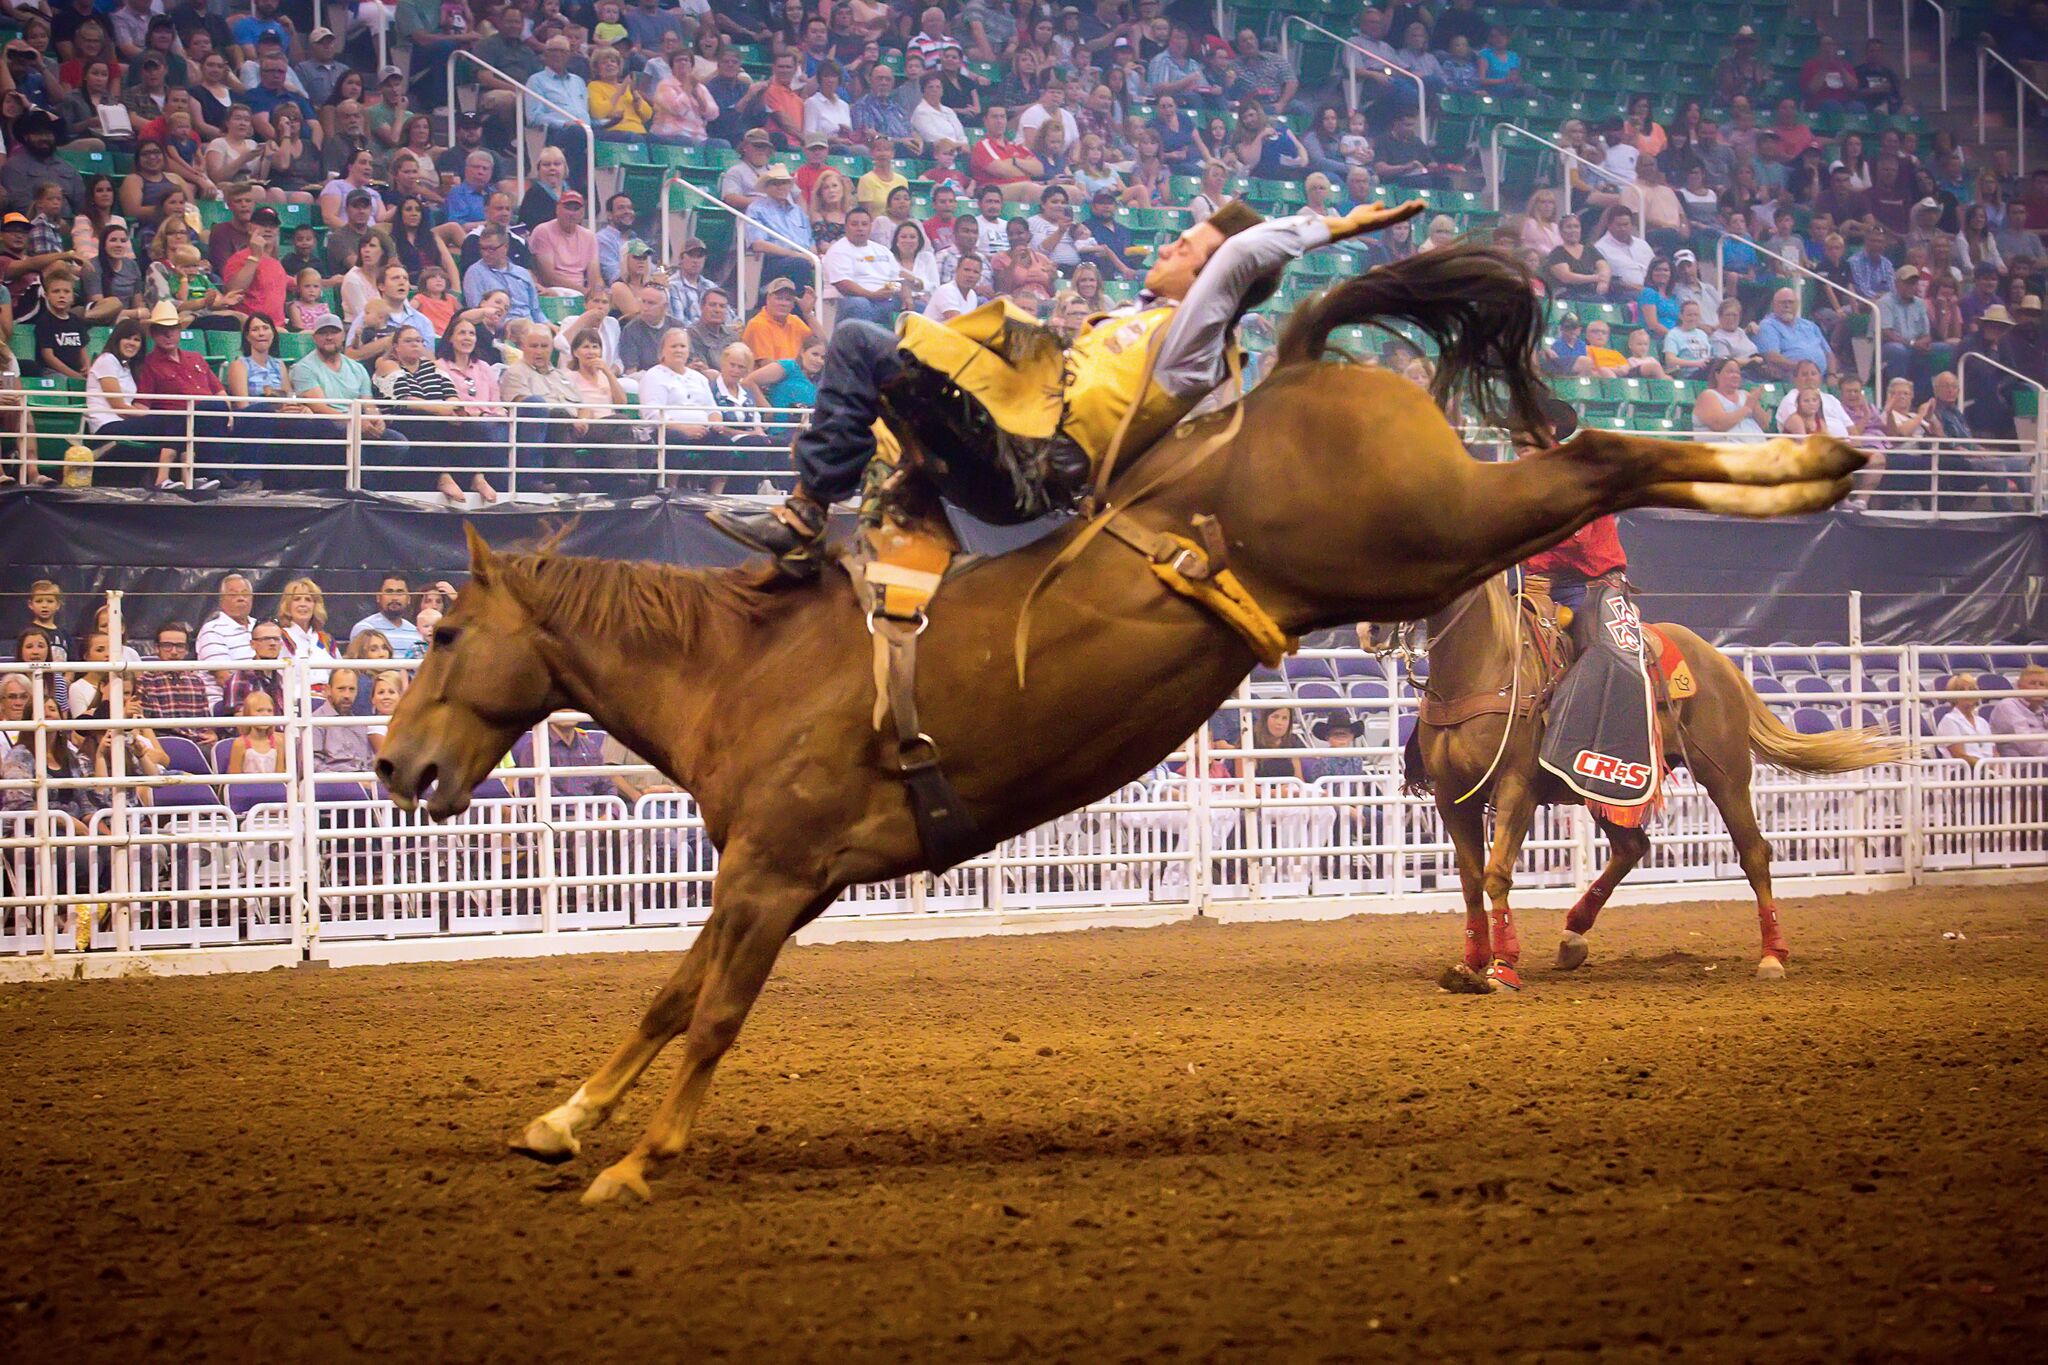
{"x":881,"y":312}
{"x":832,"y":452}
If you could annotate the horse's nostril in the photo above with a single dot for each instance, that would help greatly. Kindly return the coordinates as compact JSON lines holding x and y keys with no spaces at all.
{"x":385,"y":770}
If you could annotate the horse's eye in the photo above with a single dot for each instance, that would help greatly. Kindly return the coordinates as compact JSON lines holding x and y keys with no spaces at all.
{"x":444,"y":636}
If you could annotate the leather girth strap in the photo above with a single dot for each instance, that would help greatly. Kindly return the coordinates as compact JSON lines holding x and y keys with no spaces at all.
{"x":1442,"y":713}
{"x":944,"y":829}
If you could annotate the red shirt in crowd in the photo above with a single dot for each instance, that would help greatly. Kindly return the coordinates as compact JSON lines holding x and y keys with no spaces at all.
{"x":171,"y":370}
{"x":262,"y":297}
{"x":939,"y":231}
{"x":990,"y":150}
{"x":1593,"y":549}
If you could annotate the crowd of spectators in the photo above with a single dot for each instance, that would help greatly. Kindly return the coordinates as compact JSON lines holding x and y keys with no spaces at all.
{"x":274,"y":235}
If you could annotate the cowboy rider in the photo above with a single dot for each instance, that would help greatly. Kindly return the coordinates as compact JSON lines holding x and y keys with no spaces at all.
{"x":1591,"y":555}
{"x":1180,"y":327}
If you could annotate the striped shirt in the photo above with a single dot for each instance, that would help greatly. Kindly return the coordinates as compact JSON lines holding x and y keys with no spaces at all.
{"x":224,"y":638}
{"x":428,"y":383}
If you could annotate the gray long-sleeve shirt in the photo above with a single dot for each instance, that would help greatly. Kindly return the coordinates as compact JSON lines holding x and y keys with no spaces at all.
{"x":1192,"y":357}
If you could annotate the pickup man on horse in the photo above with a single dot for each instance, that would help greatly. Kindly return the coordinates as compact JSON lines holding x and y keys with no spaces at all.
{"x":1126,"y":380}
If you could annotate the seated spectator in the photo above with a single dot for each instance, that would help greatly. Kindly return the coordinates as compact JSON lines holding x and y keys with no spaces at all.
{"x":276,"y":432}
{"x":1725,"y":406}
{"x":782,"y":238}
{"x":1823,"y":410}
{"x":266,"y":642}
{"x":419,"y":402}
{"x":1575,"y":270}
{"x":1641,"y":361}
{"x":1024,"y":274}
{"x":258,"y":748}
{"x":341,"y":748}
{"x":963,"y":293}
{"x":569,"y":746}
{"x":1731,"y":339}
{"x":1789,"y":341}
{"x":1006,"y":165}
{"x":882,"y":178}
{"x":494,"y":269}
{"x":1500,"y":66}
{"x":385,"y":694}
{"x":1965,"y":729}
{"x":1608,"y":363}
{"x":916,"y":263}
{"x":391,"y":619}
{"x":69,"y":756}
{"x":1566,"y":354}
{"x":1687,"y":347}
{"x":1628,"y":256}
{"x":674,"y":393}
{"x":777,"y":332}
{"x":2023,"y":716}
{"x":565,"y":251}
{"x":713,"y":331}
{"x":174,"y":694}
{"x":464,"y":358}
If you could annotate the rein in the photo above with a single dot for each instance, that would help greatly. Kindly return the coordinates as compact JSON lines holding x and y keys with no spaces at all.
{"x":1513,"y":689}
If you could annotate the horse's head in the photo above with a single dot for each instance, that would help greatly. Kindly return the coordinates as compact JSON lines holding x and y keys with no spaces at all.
{"x":484,"y":681}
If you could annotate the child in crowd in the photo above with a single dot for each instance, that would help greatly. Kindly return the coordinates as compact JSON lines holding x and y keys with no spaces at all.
{"x":1460,"y":67}
{"x":308,"y":302}
{"x":305,"y":253}
{"x":45,"y":601}
{"x":46,"y":228}
{"x":60,"y":334}
{"x":255,"y":749}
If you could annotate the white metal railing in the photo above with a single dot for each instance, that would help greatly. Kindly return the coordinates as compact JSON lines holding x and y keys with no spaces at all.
{"x":743,"y":286}
{"x":1351,"y":69}
{"x":2021,"y":85}
{"x":302,"y":857}
{"x":2040,"y":442}
{"x":1642,"y":200}
{"x":1941,"y":42}
{"x":526,"y":93}
{"x":623,"y":449}
{"x":1876,"y":328}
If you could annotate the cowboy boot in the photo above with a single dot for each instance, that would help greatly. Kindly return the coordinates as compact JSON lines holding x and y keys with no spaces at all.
{"x":793,"y":533}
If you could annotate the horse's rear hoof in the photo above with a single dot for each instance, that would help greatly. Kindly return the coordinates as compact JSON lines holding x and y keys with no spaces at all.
{"x":619,"y":1184}
{"x":548,"y":1141}
{"x":1571,"y":952}
{"x":1460,"y":979}
{"x":1770,"y":969}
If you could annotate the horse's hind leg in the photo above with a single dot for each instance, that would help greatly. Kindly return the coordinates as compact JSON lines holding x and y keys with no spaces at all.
{"x":557,"y":1135}
{"x":1628,"y":845}
{"x":756,"y":907}
{"x":1730,"y":793}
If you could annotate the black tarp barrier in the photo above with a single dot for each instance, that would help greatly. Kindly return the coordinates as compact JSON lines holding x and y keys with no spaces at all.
{"x":1744,"y":582}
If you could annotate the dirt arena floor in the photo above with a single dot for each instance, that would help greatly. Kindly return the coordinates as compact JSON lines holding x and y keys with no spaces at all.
{"x":1266,"y":1142}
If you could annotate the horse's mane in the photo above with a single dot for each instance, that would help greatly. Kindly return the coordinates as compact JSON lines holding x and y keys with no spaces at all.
{"x":625,"y":599}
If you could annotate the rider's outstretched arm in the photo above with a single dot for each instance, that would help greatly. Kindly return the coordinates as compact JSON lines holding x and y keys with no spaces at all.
{"x":1191,"y":356}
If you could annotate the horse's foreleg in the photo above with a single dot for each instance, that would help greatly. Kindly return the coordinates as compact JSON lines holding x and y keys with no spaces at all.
{"x":1514,"y":806}
{"x":1466,"y":824}
{"x":1628,"y":845}
{"x":755,"y":909}
{"x":1730,"y":793}
{"x":557,"y":1135}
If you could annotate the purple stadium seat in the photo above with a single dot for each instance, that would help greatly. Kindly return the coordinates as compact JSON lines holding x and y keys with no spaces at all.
{"x":1811,"y":720}
{"x":491,"y":789}
{"x":1357,"y":666}
{"x":1406,"y":727}
{"x":1261,"y":673}
{"x":1767,"y":686}
{"x":1895,"y":719}
{"x":222,"y":748}
{"x":1829,"y":657}
{"x":1870,"y":718}
{"x":1368,"y":689}
{"x":1297,"y":669}
{"x":1810,"y":686}
{"x":183,"y":755}
{"x":1993,"y":682}
{"x":244,"y":795}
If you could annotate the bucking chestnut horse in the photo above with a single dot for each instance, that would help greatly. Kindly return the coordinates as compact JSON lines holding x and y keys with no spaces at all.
{"x":1344,"y":496}
{"x":1483,"y":645}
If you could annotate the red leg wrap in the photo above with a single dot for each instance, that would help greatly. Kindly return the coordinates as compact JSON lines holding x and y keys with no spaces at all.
{"x":1477,"y":953}
{"x":1505,"y":945}
{"x":1588,"y":909}
{"x":1774,"y":933}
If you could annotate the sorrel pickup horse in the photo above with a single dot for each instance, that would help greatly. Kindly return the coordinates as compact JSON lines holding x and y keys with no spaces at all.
{"x":1344,"y":495}
{"x":1477,"y":646}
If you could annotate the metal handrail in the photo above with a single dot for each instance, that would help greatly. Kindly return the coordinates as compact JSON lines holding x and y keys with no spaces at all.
{"x":2019,"y":97}
{"x":1351,"y":77}
{"x":741,"y":226}
{"x":519,"y":123}
{"x":2040,"y":412}
{"x":1642,"y":200}
{"x":1877,"y":334}
{"x":1941,"y":30}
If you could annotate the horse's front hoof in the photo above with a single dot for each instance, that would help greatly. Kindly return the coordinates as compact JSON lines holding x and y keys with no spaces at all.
{"x":1770,"y":969}
{"x":1571,"y":951}
{"x":620,"y":1184}
{"x":549,"y":1140}
{"x":1502,"y":976}
{"x":1463,"y":980}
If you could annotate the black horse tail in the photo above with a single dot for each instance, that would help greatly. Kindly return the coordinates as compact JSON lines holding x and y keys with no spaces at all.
{"x":1479,"y":305}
